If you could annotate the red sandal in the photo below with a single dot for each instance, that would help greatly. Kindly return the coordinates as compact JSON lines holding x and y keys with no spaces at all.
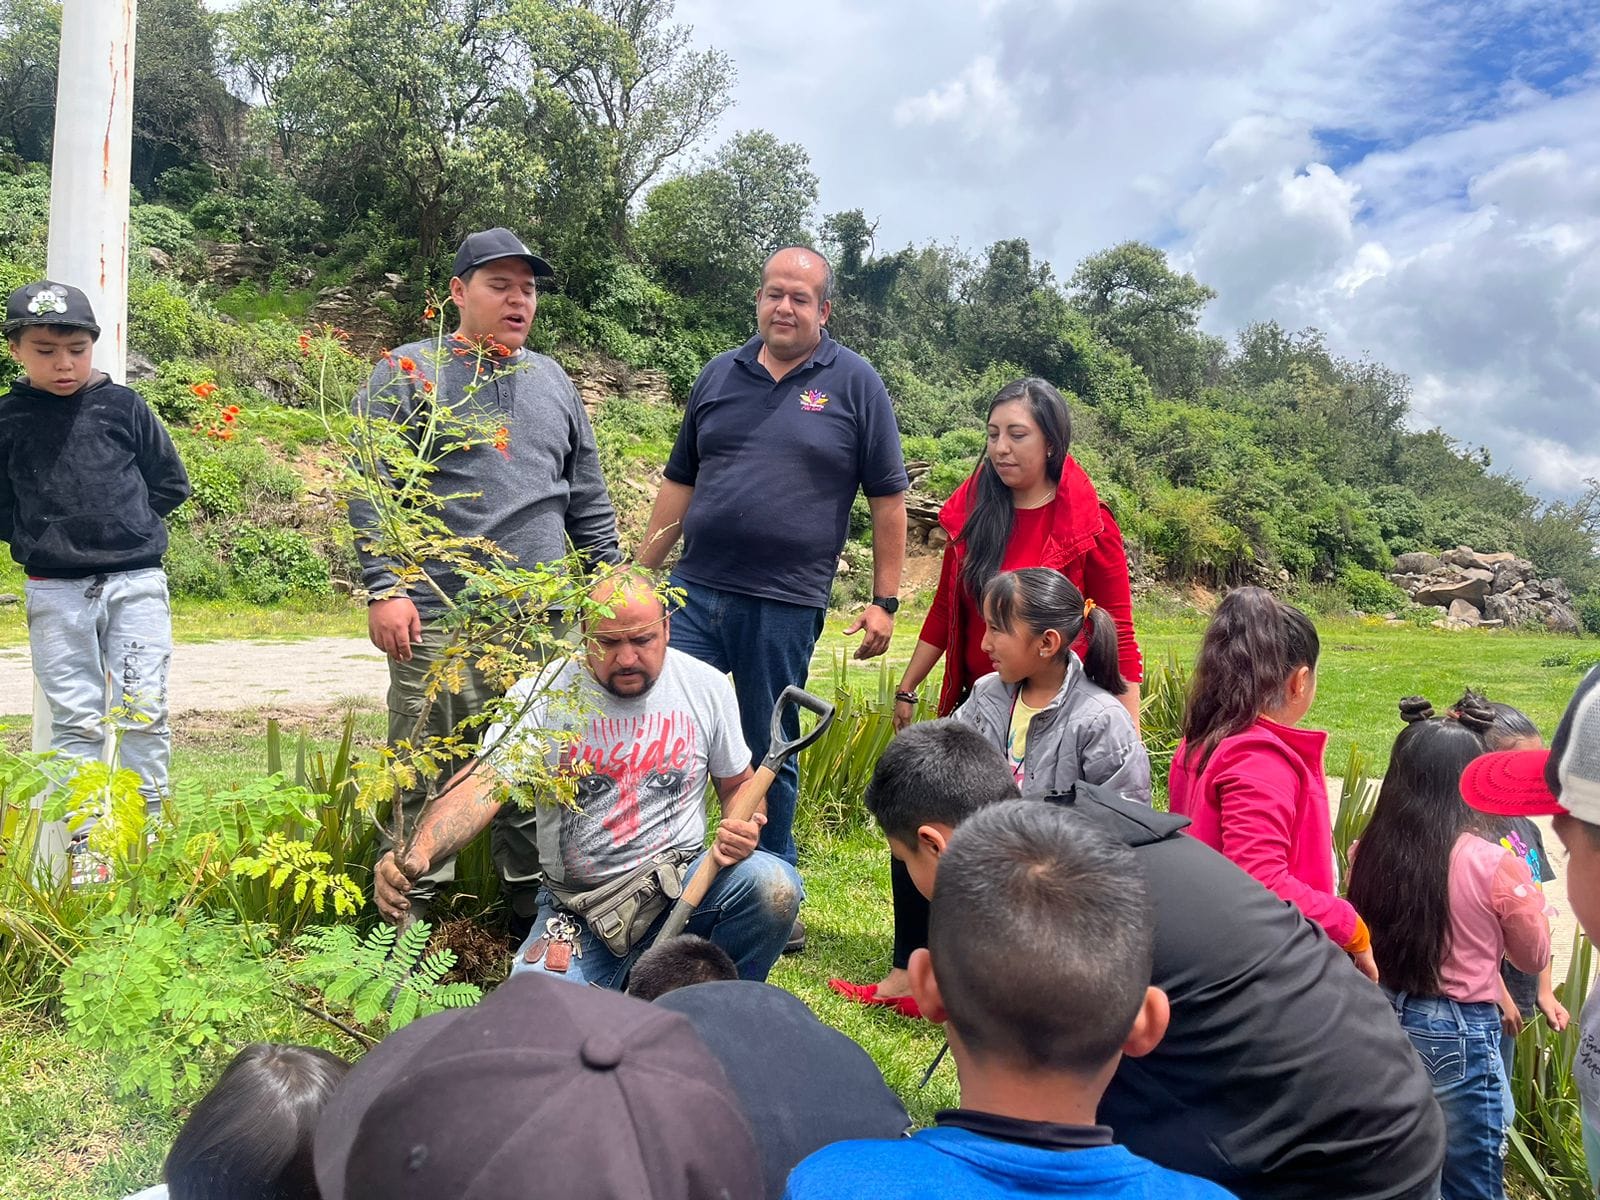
{"x":867,"y":994}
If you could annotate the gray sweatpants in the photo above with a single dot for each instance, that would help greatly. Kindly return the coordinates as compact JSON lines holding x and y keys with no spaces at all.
{"x":116,"y":627}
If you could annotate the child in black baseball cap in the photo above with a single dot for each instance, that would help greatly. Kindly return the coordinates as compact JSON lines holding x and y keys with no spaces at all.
{"x":1562,"y":783}
{"x":87,"y":476}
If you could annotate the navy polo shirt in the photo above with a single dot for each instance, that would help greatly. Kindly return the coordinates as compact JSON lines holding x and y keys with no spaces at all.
{"x":775,"y":467}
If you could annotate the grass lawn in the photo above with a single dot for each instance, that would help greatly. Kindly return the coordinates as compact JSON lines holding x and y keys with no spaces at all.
{"x":63,"y":1133}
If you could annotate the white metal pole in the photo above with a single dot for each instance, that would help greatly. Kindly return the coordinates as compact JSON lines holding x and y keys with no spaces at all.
{"x":89,"y":178}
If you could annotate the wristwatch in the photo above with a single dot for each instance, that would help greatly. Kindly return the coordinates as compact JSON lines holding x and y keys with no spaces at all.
{"x":889,"y":604}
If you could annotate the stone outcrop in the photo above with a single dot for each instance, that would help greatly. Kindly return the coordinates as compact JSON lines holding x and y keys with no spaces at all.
{"x":1473,"y":589}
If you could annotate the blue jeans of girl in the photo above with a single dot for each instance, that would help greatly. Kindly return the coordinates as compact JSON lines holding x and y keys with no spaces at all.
{"x":1459,"y":1045}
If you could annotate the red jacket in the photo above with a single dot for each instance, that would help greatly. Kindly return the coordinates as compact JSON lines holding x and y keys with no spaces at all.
{"x":1262,"y":801}
{"x":1083,"y":543}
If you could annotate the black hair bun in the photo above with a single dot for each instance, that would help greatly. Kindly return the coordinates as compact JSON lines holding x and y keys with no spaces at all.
{"x":1414,"y":709}
{"x":1474,"y":712}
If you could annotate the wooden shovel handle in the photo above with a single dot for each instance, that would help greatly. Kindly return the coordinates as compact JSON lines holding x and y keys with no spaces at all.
{"x":746,"y":801}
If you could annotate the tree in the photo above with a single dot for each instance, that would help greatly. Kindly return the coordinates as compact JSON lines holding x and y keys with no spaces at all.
{"x":30,"y":44}
{"x":651,"y":99}
{"x":176,"y":91}
{"x":1143,"y":307}
{"x":707,"y":234}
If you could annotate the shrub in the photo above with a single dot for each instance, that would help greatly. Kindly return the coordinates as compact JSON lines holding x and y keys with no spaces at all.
{"x":159,"y":226}
{"x":1588,"y":609}
{"x":166,"y":322}
{"x":962,"y":445}
{"x":193,"y":568}
{"x":185,"y":185}
{"x":1370,"y":592}
{"x":218,"y":488}
{"x":270,"y":564}
{"x":170,"y":393}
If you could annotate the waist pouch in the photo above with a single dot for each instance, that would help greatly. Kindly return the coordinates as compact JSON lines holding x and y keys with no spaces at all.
{"x":621,"y":912}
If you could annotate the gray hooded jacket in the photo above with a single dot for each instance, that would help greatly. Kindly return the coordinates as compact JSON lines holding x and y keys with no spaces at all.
{"x":1083,"y":734}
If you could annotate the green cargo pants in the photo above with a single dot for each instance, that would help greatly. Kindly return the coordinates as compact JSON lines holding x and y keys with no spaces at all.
{"x":511,"y":836}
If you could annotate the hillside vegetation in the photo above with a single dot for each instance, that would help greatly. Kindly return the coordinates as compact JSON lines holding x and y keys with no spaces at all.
{"x":293,"y":169}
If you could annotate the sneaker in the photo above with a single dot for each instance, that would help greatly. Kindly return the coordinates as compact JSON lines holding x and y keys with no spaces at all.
{"x":797,"y":938}
{"x":84,"y":866}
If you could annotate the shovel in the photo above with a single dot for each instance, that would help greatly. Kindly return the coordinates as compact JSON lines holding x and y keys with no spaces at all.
{"x":749,"y":797}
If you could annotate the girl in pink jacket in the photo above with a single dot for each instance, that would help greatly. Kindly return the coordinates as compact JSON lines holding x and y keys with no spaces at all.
{"x":1250,"y":780}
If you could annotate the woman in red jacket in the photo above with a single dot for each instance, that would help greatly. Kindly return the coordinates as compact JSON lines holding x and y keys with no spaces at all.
{"x":1028,"y":504}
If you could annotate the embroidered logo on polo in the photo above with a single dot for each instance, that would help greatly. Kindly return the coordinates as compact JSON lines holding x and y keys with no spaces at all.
{"x":812,"y":401}
{"x":47,"y":300}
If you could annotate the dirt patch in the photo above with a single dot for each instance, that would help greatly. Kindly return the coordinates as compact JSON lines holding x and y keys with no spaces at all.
{"x":482,"y":953}
{"x":203,"y":729}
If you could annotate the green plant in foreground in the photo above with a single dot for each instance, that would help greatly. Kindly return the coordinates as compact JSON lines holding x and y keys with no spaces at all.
{"x":382,"y":978}
{"x":1546,"y":1149}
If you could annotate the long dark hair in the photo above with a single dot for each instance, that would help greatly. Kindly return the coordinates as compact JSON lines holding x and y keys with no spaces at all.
{"x":1400,"y":883}
{"x":1254,"y":643}
{"x":249,"y":1138}
{"x":988,"y":525}
{"x":1508,"y":725}
{"x":1042,"y":599}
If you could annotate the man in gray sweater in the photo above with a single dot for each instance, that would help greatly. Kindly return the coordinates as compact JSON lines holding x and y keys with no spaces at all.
{"x":534,"y":492}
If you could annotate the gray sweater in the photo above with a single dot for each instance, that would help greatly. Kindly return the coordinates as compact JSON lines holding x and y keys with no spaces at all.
{"x":530,"y":498}
{"x":1083,"y":734}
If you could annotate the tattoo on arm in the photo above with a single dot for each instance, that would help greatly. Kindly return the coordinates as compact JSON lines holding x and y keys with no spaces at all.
{"x":461,"y":814}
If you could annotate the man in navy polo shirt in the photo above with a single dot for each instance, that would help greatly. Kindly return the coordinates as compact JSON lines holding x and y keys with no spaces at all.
{"x":777,"y":437}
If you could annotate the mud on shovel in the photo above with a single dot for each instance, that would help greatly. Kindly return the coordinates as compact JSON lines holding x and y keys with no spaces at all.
{"x":748,"y":798}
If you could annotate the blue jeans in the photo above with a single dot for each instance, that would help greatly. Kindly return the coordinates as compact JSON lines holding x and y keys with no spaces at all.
{"x":1459,"y":1045}
{"x":748,"y":912}
{"x":766,"y":646}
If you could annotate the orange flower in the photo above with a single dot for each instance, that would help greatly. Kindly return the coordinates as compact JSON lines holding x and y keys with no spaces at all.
{"x":502,"y":441}
{"x":427,"y":387}
{"x":429,"y":313}
{"x":305,"y":344}
{"x":204,"y":390}
{"x":408,"y":365}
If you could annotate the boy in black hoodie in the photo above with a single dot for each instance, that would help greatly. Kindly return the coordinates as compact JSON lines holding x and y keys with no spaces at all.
{"x":88,"y":474}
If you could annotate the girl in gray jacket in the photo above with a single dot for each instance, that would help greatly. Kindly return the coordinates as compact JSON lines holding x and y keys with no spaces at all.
{"x":1054,"y":714}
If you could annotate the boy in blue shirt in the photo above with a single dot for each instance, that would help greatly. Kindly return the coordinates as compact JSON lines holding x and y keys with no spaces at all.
{"x":1040,"y":945}
{"x":87,"y":477}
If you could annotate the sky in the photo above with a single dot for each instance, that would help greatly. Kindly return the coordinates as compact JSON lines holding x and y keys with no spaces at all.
{"x":1419,"y":180}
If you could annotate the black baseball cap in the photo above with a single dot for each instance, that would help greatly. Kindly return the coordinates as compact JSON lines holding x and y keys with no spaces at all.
{"x":542,"y":1089}
{"x":803,"y":1085}
{"x":50,"y":303}
{"x":490,"y":244}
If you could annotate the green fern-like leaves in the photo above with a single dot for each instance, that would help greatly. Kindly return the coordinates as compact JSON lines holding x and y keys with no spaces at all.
{"x":296,"y":863}
{"x":381,"y":975}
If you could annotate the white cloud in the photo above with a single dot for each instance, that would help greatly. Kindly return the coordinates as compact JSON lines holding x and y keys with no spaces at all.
{"x":1422,"y":180}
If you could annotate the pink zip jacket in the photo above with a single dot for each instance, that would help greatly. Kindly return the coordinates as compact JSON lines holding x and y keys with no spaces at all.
{"x":1262,"y":801}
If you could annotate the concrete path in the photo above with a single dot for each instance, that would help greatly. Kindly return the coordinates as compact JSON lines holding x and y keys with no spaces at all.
{"x":226,"y":676}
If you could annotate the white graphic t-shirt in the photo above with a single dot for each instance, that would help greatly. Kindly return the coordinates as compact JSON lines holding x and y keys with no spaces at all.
{"x":650,"y":758}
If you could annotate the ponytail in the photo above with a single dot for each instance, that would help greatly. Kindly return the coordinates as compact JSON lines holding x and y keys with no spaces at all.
{"x":1254,"y":643}
{"x":1040,"y":599}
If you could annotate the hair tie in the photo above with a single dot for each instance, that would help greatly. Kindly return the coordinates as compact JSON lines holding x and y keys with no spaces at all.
{"x":1088,"y":607}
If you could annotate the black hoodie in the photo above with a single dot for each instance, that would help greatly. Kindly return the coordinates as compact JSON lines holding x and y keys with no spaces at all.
{"x":1284,"y":1072}
{"x":87,"y":480}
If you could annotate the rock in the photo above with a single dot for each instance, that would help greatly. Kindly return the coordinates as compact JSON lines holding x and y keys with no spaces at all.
{"x":9,"y":598}
{"x":938,"y":537}
{"x":1461,"y":556}
{"x":1407,"y":583}
{"x":1471,"y":585}
{"x":139,"y":367}
{"x":1561,"y":619}
{"x":301,"y":277}
{"x":1417,"y":562}
{"x":844,"y":566}
{"x":1508,"y":574}
{"x":1460,"y":610}
{"x":1556,"y":589}
{"x":158,"y":258}
{"x":1490,"y":624}
{"x":1500,"y":607}
{"x":1490,"y":561}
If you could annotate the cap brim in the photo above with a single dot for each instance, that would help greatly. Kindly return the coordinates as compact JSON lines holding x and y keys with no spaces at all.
{"x":19,"y":323}
{"x":541,"y":269}
{"x":1510,"y":783}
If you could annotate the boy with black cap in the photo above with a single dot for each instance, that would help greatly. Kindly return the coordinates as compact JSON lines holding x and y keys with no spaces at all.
{"x":88,"y":475}
{"x":1038,"y":962}
{"x":1563,"y":783}
{"x":1283,"y":1073}
{"x":540,"y":493}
